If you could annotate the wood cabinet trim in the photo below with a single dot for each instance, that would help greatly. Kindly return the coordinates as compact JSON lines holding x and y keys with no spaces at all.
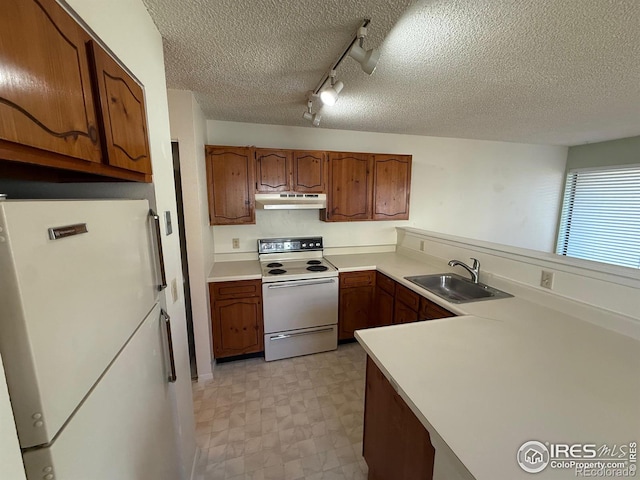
{"x":235,"y":289}
{"x":362,"y":278}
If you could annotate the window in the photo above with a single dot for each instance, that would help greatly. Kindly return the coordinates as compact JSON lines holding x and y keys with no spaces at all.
{"x":601,"y":215}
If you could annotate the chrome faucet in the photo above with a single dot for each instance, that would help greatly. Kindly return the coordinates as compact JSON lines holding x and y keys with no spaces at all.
{"x":474,"y":271}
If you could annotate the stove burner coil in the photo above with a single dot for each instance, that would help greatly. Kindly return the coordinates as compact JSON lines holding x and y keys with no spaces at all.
{"x":277,"y":271}
{"x":314,"y":262}
{"x":317,"y":268}
{"x":274,"y":265}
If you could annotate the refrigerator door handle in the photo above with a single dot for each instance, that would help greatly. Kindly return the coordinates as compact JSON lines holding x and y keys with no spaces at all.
{"x":163,"y":275}
{"x":172,"y":362}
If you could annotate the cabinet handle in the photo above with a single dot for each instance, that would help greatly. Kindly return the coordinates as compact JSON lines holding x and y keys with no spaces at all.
{"x":163,"y":274}
{"x":172,"y":362}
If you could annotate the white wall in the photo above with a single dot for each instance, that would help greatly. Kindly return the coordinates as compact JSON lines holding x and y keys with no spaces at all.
{"x":11,"y":466}
{"x":188,"y":128}
{"x":496,"y":191}
{"x":126,"y":28}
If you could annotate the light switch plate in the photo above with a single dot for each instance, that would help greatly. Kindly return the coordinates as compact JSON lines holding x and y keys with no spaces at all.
{"x":167,"y":220}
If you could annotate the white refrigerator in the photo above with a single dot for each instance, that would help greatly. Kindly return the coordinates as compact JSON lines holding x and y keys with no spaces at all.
{"x":85,"y":345}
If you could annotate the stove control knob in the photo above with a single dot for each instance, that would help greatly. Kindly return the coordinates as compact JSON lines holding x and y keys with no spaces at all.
{"x":318,"y":244}
{"x":304,"y":245}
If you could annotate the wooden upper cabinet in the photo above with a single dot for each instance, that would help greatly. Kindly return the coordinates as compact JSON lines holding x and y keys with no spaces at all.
{"x":391,"y":187}
{"x":231,"y":185}
{"x":350,"y":185}
{"x":46,"y":100}
{"x":309,"y":171}
{"x":122,"y":109}
{"x":273,"y":170}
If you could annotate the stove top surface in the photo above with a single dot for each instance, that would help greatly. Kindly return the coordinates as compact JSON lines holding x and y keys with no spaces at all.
{"x":295,"y":269}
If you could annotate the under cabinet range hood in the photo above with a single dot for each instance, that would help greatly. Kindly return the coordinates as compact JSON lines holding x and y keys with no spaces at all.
{"x":291,"y":201}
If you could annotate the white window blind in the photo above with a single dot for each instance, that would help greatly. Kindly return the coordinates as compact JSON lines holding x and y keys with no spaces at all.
{"x":601,"y":216}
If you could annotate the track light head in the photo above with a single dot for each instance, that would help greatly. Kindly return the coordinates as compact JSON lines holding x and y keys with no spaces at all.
{"x":329,"y":96}
{"x":368,"y":59}
{"x":313,"y":118}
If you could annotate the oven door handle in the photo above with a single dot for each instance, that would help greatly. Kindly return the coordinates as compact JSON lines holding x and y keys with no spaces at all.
{"x":299,"y":334}
{"x":293,"y":283}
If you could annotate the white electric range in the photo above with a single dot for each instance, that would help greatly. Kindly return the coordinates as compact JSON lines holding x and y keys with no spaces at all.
{"x":299,"y":296}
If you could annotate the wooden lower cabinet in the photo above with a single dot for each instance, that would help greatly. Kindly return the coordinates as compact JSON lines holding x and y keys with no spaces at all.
{"x":236,"y":316}
{"x":396,"y":446}
{"x":357,"y":290}
{"x":431,"y":311}
{"x":403,"y":313}
{"x":406,"y":306}
{"x":384,"y":307}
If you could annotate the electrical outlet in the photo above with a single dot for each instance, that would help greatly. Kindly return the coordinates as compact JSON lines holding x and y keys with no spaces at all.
{"x":174,"y":290}
{"x":235,"y":242}
{"x":546,"y":279}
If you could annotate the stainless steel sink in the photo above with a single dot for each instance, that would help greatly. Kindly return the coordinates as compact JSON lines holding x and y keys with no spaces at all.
{"x":457,"y":289}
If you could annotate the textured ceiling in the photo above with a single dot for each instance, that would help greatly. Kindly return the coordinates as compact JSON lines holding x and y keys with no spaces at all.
{"x":561,"y":72}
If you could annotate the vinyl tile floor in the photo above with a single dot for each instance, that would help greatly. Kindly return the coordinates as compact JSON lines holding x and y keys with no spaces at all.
{"x":298,"y":418}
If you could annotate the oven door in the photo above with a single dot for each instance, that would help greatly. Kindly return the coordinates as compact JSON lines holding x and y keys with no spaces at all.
{"x":298,"y":304}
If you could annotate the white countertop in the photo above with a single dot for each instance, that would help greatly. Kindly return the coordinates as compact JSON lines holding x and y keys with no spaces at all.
{"x":509,"y":371}
{"x":232,"y":271}
{"x":487,"y":386}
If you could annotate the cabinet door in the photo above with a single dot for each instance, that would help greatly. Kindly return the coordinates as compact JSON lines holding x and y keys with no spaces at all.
{"x":350,"y":184}
{"x":123,"y":114}
{"x":431,"y":311}
{"x":309,"y":171}
{"x":383,"y":313}
{"x":46,"y":99}
{"x":273,"y":170}
{"x":230,"y":184}
{"x":237,"y":327}
{"x":382,"y":427}
{"x":392,"y":185}
{"x":355,"y":310}
{"x":403,"y":313}
{"x":396,"y":446}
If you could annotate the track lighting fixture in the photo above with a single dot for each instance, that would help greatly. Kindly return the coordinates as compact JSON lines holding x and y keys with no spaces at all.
{"x":329,"y":95}
{"x":328,"y":89}
{"x":314,"y":118}
{"x":368,"y":59}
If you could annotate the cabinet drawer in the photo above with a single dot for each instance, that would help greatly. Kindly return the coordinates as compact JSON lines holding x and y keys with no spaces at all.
{"x":408,"y":297}
{"x":357,"y":279}
{"x":238,"y":289}
{"x":430,"y":310}
{"x":385,"y":283}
